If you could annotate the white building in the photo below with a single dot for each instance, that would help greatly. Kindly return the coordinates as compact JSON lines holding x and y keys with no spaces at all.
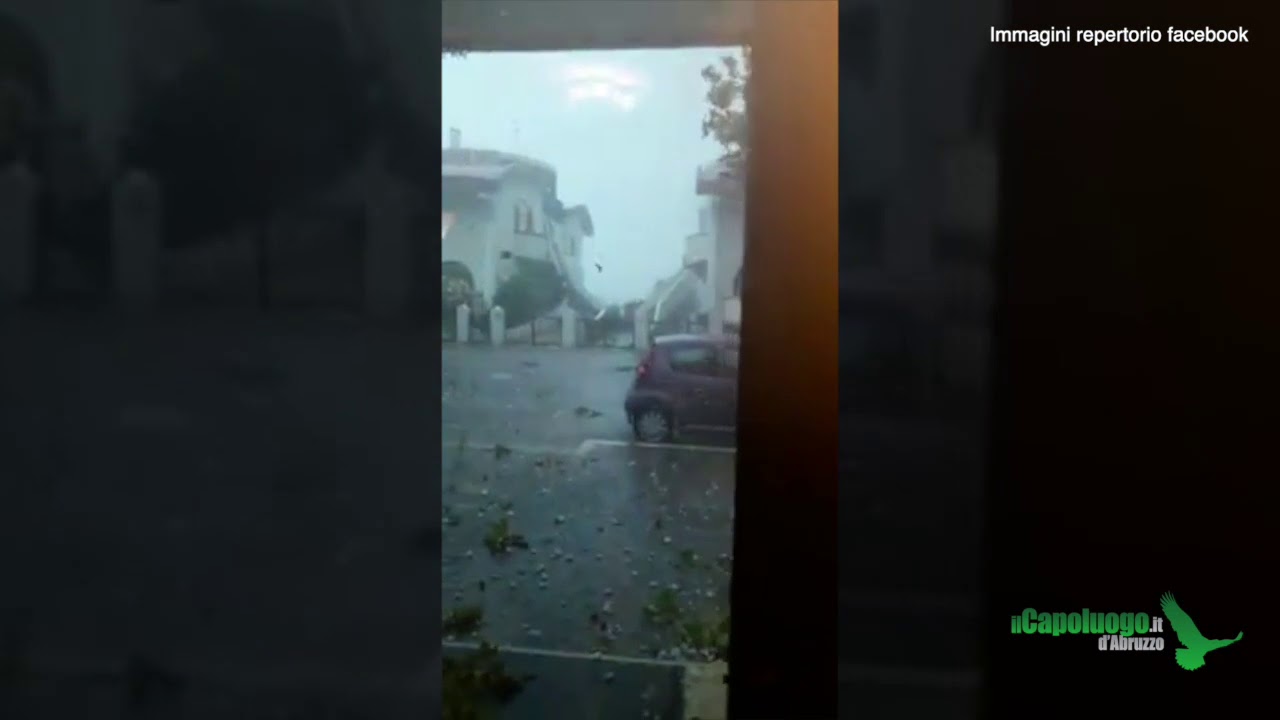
{"x":697,"y":251}
{"x":722,"y":220}
{"x":706,"y":291}
{"x":502,"y":220}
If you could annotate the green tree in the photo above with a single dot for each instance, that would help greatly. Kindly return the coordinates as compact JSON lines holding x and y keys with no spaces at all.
{"x":727,"y":96}
{"x":535,"y":289}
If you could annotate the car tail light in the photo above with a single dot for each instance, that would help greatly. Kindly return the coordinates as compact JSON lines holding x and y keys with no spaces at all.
{"x":646,"y":364}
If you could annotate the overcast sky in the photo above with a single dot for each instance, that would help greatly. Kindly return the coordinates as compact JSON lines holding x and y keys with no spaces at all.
{"x":623,"y":130}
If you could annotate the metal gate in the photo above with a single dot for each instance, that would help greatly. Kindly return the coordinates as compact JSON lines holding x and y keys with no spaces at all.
{"x":546,"y":331}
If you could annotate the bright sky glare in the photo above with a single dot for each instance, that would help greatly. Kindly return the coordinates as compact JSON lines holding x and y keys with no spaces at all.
{"x":623,"y":130}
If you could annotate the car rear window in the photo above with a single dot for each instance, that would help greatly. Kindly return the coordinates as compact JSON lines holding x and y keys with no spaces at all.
{"x":694,"y":360}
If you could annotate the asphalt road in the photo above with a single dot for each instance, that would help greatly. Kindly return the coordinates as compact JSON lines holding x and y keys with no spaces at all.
{"x":609,"y":532}
{"x":535,"y":396}
{"x":623,"y":571}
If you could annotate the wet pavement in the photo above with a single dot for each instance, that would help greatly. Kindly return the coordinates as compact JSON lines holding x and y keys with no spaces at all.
{"x":628,"y":548}
{"x":532,"y":395}
{"x":600,"y":566}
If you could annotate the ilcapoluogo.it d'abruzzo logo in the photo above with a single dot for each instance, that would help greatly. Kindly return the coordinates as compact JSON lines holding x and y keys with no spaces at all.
{"x":1127,"y":630}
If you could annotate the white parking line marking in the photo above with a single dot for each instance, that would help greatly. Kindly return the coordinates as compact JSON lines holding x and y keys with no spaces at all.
{"x":568,"y":654}
{"x":705,"y":694}
{"x":583,"y":448}
{"x":490,"y":447}
{"x":589,"y":445}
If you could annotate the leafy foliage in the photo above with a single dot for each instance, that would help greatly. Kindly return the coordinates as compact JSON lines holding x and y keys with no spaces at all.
{"x":535,"y":289}
{"x":477,"y":686}
{"x":500,"y":540}
{"x":727,"y":98}
{"x":463,"y":621}
{"x":663,"y":608}
{"x":710,"y":636}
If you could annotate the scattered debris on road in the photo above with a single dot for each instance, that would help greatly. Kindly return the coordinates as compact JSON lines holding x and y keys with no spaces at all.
{"x":463,"y":621}
{"x":596,"y":535}
{"x":501,"y":541}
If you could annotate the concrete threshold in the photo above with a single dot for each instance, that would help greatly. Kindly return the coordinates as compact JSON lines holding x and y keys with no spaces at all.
{"x":571,"y":685}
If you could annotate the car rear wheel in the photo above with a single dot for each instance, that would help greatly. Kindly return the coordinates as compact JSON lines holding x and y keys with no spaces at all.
{"x":653,"y":426}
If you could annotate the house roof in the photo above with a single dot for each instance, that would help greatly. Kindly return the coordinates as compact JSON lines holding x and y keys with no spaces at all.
{"x":482,"y":156}
{"x":557,"y":210}
{"x":477,"y":172}
{"x":583,"y":215}
{"x":493,"y":165}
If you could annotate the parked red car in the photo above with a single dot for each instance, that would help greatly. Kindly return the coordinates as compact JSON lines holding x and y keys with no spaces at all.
{"x":685,"y":382}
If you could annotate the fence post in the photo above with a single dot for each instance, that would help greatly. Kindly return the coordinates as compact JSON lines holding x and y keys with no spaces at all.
{"x":18,"y":188}
{"x":462,"y":331}
{"x":642,"y":326}
{"x":497,"y":325}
